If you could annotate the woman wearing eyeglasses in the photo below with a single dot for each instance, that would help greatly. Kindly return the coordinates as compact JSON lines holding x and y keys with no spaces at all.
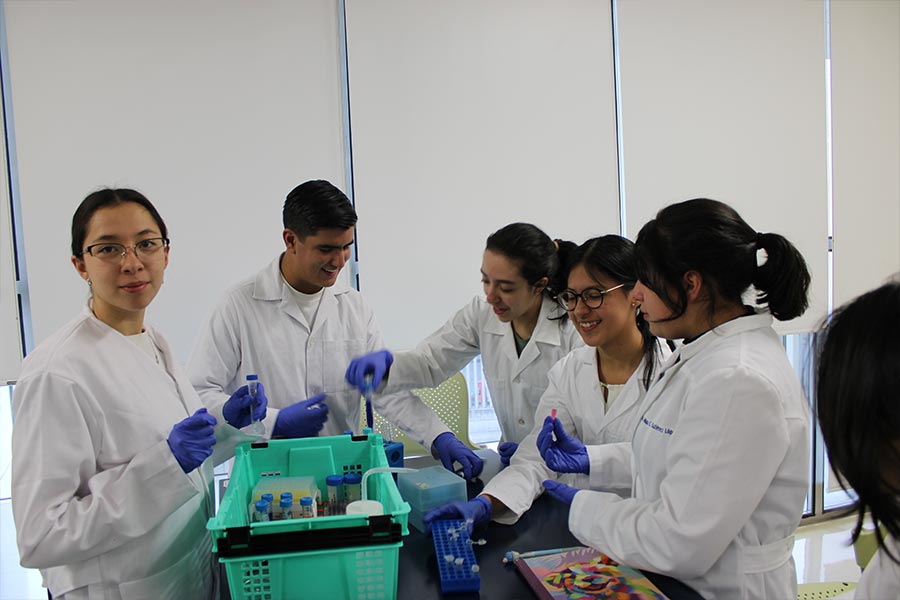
{"x":110,"y":482}
{"x":593,"y":392}
{"x":518,"y":329}
{"x":720,"y":453}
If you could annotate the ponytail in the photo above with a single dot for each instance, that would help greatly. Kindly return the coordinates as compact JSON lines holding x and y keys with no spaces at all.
{"x":783,"y":279}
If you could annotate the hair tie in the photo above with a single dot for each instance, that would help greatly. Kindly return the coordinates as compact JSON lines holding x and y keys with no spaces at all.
{"x":556,"y":245}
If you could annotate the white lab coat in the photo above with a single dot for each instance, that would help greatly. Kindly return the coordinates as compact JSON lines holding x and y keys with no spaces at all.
{"x":101,"y":506}
{"x":574,"y":391}
{"x":258,"y":328}
{"x":881,"y":579}
{"x":516,"y":383}
{"x":721,"y":459}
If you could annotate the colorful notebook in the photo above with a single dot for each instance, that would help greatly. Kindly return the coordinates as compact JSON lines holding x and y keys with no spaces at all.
{"x":585,"y":574}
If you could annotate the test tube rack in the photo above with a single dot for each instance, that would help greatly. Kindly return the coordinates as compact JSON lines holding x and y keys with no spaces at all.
{"x":457,"y":566}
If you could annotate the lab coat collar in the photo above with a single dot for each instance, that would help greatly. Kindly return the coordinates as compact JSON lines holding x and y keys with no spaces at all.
{"x":269,"y":285}
{"x":725,"y":330}
{"x":545,"y":332}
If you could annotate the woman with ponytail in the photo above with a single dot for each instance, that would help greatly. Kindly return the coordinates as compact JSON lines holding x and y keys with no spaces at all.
{"x":594,"y":391}
{"x":518,"y":328}
{"x":720,"y":452}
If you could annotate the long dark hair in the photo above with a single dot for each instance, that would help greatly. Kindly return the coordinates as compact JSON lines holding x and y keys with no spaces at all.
{"x":711,"y":238}
{"x":104,"y":198}
{"x":857,"y":382}
{"x":536,"y":255}
{"x":614,"y":257}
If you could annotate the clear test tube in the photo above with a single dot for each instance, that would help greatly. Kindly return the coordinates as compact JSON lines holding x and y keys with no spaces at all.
{"x":270,"y":498}
{"x":287,"y":508}
{"x":306,"y":508}
{"x":261,"y":515}
{"x":352,"y":491}
{"x":335,"y":484}
{"x":256,"y":427}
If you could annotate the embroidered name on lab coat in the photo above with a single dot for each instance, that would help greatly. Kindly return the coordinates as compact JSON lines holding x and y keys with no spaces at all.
{"x":656,"y":427}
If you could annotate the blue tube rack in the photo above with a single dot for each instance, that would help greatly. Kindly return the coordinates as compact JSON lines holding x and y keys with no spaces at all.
{"x":455,"y":578}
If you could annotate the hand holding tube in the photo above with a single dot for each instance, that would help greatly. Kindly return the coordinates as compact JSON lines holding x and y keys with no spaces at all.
{"x":566,"y":454}
{"x":475,"y":512}
{"x":450,"y":449}
{"x":376,"y":365}
{"x":237,"y":409}
{"x":302,"y":419}
{"x":191,"y":440}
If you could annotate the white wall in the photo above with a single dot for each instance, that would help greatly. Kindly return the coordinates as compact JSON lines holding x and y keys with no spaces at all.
{"x":213,"y":109}
{"x":465,"y":116}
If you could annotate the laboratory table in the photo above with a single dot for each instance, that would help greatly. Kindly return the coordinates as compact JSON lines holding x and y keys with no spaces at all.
{"x":544,"y":526}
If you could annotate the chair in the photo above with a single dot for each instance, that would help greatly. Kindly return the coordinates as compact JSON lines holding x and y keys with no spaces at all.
{"x":450,"y":400}
{"x":826,"y":589}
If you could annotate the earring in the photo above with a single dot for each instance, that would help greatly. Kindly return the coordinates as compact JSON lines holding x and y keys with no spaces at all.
{"x":633,"y":304}
{"x":90,"y":283}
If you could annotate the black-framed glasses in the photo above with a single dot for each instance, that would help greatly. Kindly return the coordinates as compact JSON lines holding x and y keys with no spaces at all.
{"x":592,"y":297}
{"x":111,"y":252}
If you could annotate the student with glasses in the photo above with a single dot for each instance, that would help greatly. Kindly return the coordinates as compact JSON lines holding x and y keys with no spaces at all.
{"x":518,"y":329}
{"x":720,"y":451}
{"x":593,"y":391}
{"x":110,"y":482}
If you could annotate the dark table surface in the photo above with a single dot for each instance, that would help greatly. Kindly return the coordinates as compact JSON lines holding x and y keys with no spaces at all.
{"x":544,"y":526}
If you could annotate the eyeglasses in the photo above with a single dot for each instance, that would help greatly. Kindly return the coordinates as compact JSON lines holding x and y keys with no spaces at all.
{"x":592,"y":297}
{"x":111,"y":253}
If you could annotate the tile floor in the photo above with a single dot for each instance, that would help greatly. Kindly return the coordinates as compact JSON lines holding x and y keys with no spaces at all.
{"x":821,"y":552}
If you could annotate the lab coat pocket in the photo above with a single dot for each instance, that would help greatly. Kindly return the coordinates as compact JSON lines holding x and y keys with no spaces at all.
{"x":335,"y":360}
{"x":190,"y":577}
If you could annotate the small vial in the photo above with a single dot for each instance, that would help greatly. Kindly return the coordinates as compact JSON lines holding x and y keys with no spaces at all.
{"x":286,"y":506}
{"x":262,"y":511}
{"x":335,"y":485}
{"x":459,"y":562}
{"x":475,"y":568}
{"x":306,"y":508}
{"x":352,"y":491}
{"x":256,"y":427}
{"x":270,"y":498}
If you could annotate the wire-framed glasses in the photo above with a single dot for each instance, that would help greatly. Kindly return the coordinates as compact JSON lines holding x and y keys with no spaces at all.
{"x":111,"y":252}
{"x":592,"y":297}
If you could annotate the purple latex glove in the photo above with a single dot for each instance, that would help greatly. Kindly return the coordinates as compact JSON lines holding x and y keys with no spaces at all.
{"x":237,"y":409}
{"x":506,"y":451}
{"x":476,"y":511}
{"x":560,"y":491}
{"x":192,"y":439}
{"x":302,"y":419}
{"x":376,"y":365}
{"x":450,"y":449}
{"x":564,"y":455}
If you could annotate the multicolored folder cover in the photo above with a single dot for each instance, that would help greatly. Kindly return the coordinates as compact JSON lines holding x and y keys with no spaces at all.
{"x":585,"y":574}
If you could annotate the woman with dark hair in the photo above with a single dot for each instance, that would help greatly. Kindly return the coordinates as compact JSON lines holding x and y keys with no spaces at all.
{"x":856,"y":400}
{"x":518,"y":329}
{"x":594,"y":391}
{"x":110,"y":482}
{"x":720,"y":451}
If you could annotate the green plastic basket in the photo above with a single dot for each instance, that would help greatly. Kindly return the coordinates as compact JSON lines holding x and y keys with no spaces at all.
{"x":342,"y":556}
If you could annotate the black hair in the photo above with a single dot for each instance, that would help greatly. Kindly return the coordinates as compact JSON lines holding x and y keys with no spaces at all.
{"x":105,"y":198}
{"x":615,"y":257}
{"x":314,"y":205}
{"x":857,"y":379}
{"x":711,"y":238}
{"x":536,"y":255}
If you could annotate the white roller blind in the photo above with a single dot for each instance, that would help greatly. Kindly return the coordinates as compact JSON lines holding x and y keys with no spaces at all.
{"x":467,"y":116}
{"x":727,"y":100}
{"x":865,"y":67}
{"x":213,"y":109}
{"x":10,"y":337}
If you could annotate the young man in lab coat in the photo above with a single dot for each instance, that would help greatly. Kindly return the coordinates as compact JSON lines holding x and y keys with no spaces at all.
{"x":297,"y":327}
